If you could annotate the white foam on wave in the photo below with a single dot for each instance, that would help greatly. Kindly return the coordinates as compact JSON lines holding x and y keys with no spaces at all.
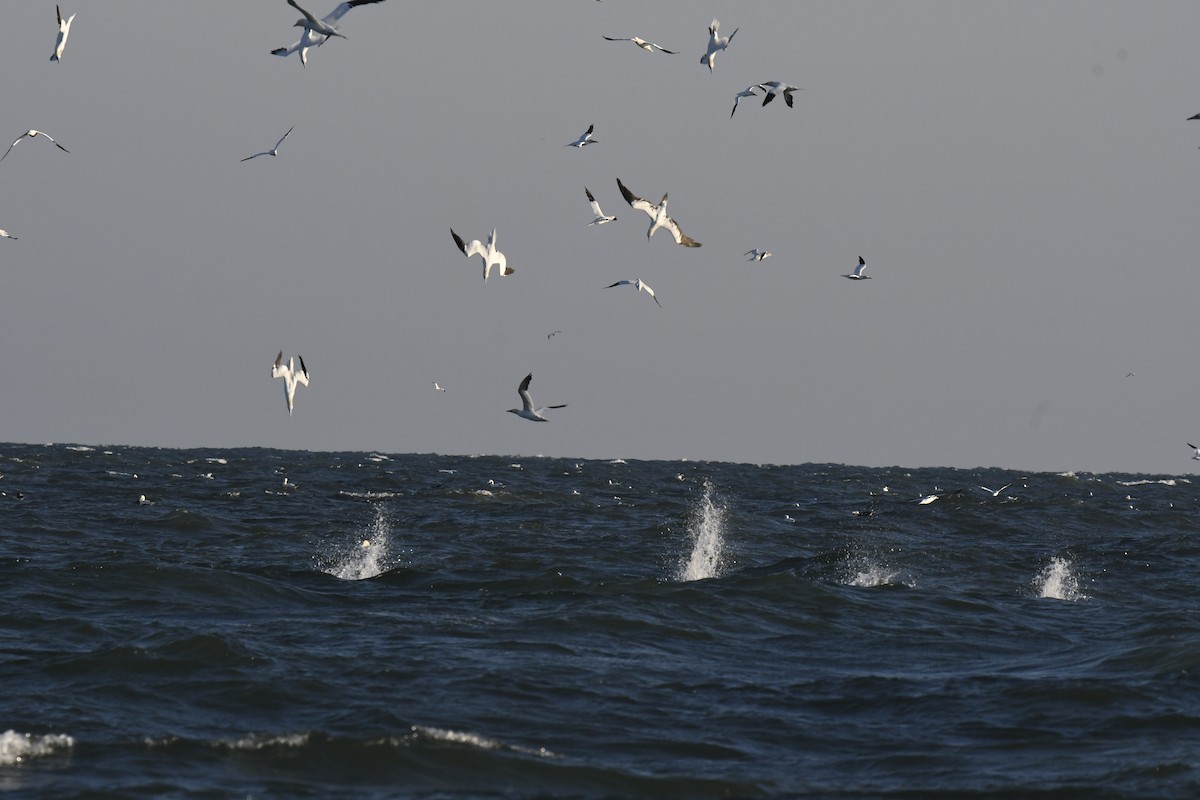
{"x":1058,"y":581}
{"x":1164,"y":482}
{"x":370,"y":554}
{"x":867,"y":572}
{"x":16,"y":748}
{"x":366,"y":495}
{"x":474,"y":740}
{"x":706,"y":530}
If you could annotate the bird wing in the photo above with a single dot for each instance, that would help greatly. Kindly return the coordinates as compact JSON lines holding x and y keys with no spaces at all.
{"x":307,"y":15}
{"x":618,"y":38}
{"x":523,"y":391}
{"x":256,"y":155}
{"x":595,"y":206}
{"x":680,"y":237}
{"x":637,"y":202}
{"x":342,"y":8}
{"x":11,"y":146}
{"x":278,"y":364}
{"x":289,"y":131}
{"x":303,"y":375}
{"x":663,"y":49}
{"x":623,"y":283}
{"x":475,"y":248}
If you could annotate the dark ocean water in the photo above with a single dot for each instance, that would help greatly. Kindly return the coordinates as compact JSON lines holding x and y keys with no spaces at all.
{"x":450,"y":627}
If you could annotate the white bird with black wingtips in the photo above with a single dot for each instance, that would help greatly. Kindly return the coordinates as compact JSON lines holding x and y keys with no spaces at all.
{"x":857,"y":275}
{"x":757,"y":254}
{"x":600,"y":216}
{"x":773,"y":88}
{"x":649,"y":47}
{"x":737,"y":98}
{"x":641,"y":287}
{"x":528,"y":410}
{"x":490,"y":255}
{"x":314,"y":38}
{"x":658,"y":216}
{"x":291,"y":376}
{"x":584,"y":139}
{"x":716,"y":44}
{"x":64,"y":30}
{"x":32,"y":134}
{"x":274,"y":151}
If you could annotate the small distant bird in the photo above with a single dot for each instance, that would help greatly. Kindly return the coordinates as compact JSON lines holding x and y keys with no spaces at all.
{"x":142,"y":501}
{"x":641,"y":287}
{"x":737,"y":98}
{"x":6,"y":235}
{"x":1130,"y":374}
{"x":716,"y":44}
{"x":857,"y":275}
{"x":649,"y":47}
{"x":1196,"y":454}
{"x":290,"y":378}
{"x":274,"y":151}
{"x":658,"y":216}
{"x":600,"y":217}
{"x":314,"y":38}
{"x":31,"y":134}
{"x":995,"y":492}
{"x":438,"y":387}
{"x":584,"y":139}
{"x":527,"y":409}
{"x":773,"y":88}
{"x":489,"y":254}
{"x":757,"y":255}
{"x":64,"y":30}
{"x":552,"y":333}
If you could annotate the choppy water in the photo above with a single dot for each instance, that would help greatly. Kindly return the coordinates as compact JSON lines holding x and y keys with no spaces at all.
{"x":447,"y":627}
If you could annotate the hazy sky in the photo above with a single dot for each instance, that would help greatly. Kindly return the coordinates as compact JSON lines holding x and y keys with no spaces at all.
{"x":1021,"y":178}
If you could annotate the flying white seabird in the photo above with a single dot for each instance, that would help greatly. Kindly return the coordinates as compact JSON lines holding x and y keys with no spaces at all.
{"x":527,"y":409}
{"x":1195,"y":455}
{"x":641,"y":287}
{"x":314,"y":38}
{"x":31,"y":134}
{"x":601,"y":217}
{"x":716,"y":44}
{"x":438,"y":386}
{"x":489,"y":254}
{"x":658,"y":216}
{"x":585,"y":138}
{"x":773,"y":88}
{"x":649,"y":47}
{"x":737,"y":98}
{"x":6,"y":235}
{"x":274,"y":151}
{"x":757,"y":255}
{"x":64,"y":30}
{"x":290,"y":377}
{"x":857,"y":275}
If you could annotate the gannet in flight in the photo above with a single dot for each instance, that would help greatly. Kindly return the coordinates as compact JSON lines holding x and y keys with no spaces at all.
{"x":773,"y":88}
{"x":857,"y":275}
{"x":290,"y":377}
{"x":64,"y":30}
{"x":274,"y":151}
{"x":658,"y":216}
{"x":757,"y":255}
{"x":527,"y":409}
{"x":716,"y":44}
{"x":1195,"y":455}
{"x":438,"y":386}
{"x":601,"y":218}
{"x":489,"y":254}
{"x":314,"y":38}
{"x":995,"y":492}
{"x":31,"y":134}
{"x":585,"y":138}
{"x":6,"y":235}
{"x":649,"y":47}
{"x":737,"y":98}
{"x":641,"y":287}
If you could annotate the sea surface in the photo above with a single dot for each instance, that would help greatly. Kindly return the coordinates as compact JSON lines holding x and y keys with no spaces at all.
{"x":292,"y":624}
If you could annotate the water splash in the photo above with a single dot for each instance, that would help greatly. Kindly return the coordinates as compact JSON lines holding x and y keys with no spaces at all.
{"x":1057,"y":581}
{"x":16,"y":748}
{"x":707,"y":532}
{"x":867,"y":573}
{"x":368,"y":556}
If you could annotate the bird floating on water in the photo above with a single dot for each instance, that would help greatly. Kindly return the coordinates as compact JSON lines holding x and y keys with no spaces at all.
{"x":488,"y":253}
{"x":528,"y":410}
{"x":658,"y":216}
{"x":314,"y":38}
{"x":584,"y":139}
{"x":641,"y":287}
{"x":773,"y":88}
{"x":32,"y":134}
{"x":857,"y":275}
{"x":757,"y":255}
{"x":716,"y":44}
{"x":290,"y":377}
{"x":600,"y":216}
{"x":64,"y":30}
{"x":274,"y":151}
{"x":649,"y":47}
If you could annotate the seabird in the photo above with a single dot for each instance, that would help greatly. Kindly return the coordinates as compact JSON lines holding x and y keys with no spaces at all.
{"x":1195,"y":455}
{"x":274,"y":151}
{"x":527,"y":409}
{"x":64,"y":29}
{"x":438,"y":387}
{"x":585,"y":138}
{"x":1195,"y":117}
{"x":290,"y":378}
{"x":996,"y":492}
{"x":649,"y":47}
{"x":757,"y":255}
{"x":773,"y":88}
{"x":6,"y":235}
{"x":31,"y":134}
{"x":313,"y":24}
{"x":641,"y":287}
{"x":552,"y":333}
{"x":313,"y":38}
{"x":857,"y":275}
{"x":658,"y":216}
{"x":737,"y":98}
{"x":489,"y":254}
{"x":601,"y":218}
{"x":716,"y":44}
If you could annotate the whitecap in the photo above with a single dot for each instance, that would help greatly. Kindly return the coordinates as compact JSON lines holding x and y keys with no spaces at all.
{"x":1058,"y":581}
{"x":18,"y":747}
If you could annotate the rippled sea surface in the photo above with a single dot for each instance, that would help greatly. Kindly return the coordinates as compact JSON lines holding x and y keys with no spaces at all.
{"x":290,"y":624}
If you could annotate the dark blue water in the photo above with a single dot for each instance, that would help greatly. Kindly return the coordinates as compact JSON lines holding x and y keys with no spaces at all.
{"x":448,"y":627}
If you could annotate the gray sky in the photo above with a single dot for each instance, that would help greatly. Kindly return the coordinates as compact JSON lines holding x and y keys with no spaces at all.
{"x":1019,"y":176}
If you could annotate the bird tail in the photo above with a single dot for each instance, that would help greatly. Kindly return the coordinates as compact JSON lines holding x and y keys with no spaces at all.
{"x":688,"y":241}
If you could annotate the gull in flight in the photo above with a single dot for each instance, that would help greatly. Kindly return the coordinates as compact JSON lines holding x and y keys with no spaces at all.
{"x":527,"y":409}
{"x":737,"y":98}
{"x":1195,"y":455}
{"x":274,"y":151}
{"x":312,"y":37}
{"x":290,"y":377}
{"x":585,"y":138}
{"x":857,"y":275}
{"x":757,"y":255}
{"x":438,"y":387}
{"x":641,"y":287}
{"x":6,"y":235}
{"x":601,"y":218}
{"x":716,"y":44}
{"x":773,"y":88}
{"x":649,"y":47}
{"x":658,"y":216}
{"x":64,"y":29}
{"x":489,"y":254}
{"x":31,"y":134}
